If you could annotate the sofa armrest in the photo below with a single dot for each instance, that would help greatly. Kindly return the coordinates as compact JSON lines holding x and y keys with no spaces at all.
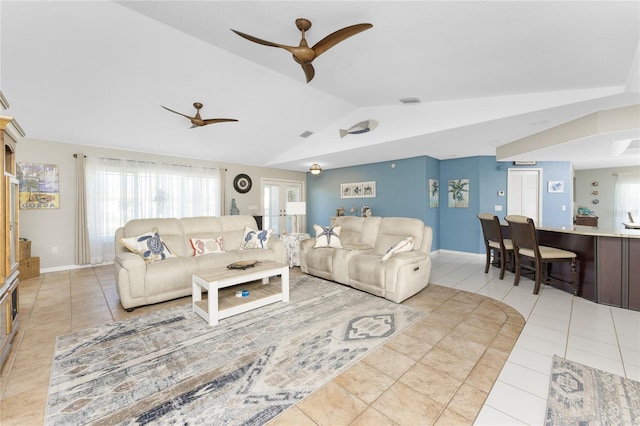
{"x":277,"y":245}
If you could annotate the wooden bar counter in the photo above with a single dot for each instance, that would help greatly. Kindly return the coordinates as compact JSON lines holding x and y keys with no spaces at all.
{"x":608,"y":262}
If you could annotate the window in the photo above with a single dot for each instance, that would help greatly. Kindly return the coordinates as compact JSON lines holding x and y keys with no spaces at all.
{"x":120,"y":190}
{"x":627,"y":197}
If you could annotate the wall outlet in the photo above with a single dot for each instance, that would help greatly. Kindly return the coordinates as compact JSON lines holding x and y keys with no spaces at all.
{"x":500,"y":193}
{"x":564,"y":208}
{"x":498,"y":208}
{"x":54,"y":249}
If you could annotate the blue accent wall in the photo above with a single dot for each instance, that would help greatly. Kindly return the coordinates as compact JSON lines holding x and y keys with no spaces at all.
{"x":403,"y":192}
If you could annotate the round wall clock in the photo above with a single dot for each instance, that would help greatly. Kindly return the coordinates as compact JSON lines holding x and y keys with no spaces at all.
{"x":242,"y":183}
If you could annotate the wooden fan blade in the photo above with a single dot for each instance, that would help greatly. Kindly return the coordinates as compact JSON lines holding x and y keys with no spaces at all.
{"x":261,"y":41}
{"x":338,"y":36}
{"x":176,"y":112}
{"x":309,"y":72}
{"x":217,"y":120}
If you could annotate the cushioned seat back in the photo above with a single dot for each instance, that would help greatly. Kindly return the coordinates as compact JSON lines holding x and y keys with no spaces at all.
{"x":395,"y":229}
{"x":523,"y":233}
{"x":356,"y":229}
{"x":233,"y":228}
{"x":200,"y":227}
{"x":170,"y":232}
{"x":490,"y":227}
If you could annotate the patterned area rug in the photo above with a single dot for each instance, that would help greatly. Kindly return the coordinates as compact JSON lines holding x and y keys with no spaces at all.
{"x":581,"y":395}
{"x":170,"y":367}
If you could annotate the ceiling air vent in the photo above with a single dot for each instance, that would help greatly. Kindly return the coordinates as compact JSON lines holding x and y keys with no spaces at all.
{"x":410,"y":100}
{"x":306,"y":134}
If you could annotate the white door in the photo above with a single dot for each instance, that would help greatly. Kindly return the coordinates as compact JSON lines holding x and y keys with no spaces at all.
{"x":275,"y":194}
{"x":523,"y":193}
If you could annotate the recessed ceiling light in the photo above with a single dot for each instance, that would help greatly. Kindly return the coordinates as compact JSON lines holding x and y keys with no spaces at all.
{"x":306,"y":134}
{"x":413,"y":100}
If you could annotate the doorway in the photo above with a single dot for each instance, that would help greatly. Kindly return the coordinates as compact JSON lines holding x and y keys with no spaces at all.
{"x":275,"y":195}
{"x":523,"y":193}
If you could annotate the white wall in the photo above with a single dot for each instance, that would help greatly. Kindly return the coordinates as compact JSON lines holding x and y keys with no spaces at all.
{"x":53,"y":230}
{"x":606,"y":189}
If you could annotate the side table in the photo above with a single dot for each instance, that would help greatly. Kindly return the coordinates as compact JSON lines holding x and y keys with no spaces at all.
{"x":292,"y":246}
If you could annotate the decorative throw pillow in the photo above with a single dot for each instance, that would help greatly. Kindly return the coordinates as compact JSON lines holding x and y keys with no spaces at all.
{"x":150,"y":246}
{"x":327,"y":236}
{"x":207,"y":245}
{"x":254,"y":239}
{"x":404,"y":245}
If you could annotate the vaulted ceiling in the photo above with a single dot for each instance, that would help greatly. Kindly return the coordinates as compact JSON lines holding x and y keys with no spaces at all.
{"x":487,"y":73}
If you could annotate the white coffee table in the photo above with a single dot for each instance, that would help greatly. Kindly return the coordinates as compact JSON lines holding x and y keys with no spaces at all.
{"x":221,"y":300}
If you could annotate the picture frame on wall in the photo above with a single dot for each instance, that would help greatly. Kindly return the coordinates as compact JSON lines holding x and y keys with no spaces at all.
{"x":434,"y":193}
{"x":555,"y":187}
{"x":39,"y":187}
{"x":458,"y":193}
{"x":358,"y":190}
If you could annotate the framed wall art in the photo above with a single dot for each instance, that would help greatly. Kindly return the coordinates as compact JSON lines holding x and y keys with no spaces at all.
{"x":358,"y":190}
{"x":434,"y":193}
{"x":555,"y":186}
{"x":39,"y":186}
{"x":459,"y":193}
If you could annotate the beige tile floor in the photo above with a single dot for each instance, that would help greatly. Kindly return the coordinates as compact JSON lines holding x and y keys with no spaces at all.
{"x":438,"y":371}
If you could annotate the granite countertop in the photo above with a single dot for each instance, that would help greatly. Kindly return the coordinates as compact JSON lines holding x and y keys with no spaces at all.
{"x":595,"y":231}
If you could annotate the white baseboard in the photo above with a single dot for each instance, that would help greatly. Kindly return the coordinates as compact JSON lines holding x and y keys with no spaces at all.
{"x":70,"y":267}
{"x":461,"y":253}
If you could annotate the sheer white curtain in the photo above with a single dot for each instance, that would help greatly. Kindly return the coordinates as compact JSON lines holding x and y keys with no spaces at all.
{"x":627,"y":197}
{"x":119,"y":190}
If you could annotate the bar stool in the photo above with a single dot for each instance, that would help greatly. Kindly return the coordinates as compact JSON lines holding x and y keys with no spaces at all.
{"x":525,"y":245}
{"x":493,"y":241}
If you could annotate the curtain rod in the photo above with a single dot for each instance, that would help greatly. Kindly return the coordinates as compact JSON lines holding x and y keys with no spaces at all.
{"x":152,"y":162}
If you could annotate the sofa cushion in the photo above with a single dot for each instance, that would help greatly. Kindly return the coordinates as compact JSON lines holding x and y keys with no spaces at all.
{"x":327,"y":236}
{"x":255,"y":239}
{"x":395,"y":229}
{"x":148,"y":245}
{"x":207,"y":245}
{"x":367,"y":269}
{"x":170,"y":230}
{"x":404,"y":245}
{"x":358,"y":230}
{"x":321,"y":259}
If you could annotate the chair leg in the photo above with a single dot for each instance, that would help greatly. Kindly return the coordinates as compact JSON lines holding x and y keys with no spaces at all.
{"x":574,"y":277}
{"x":536,"y":289}
{"x":488,"y":262}
{"x":516,"y":280}
{"x":502,"y":264}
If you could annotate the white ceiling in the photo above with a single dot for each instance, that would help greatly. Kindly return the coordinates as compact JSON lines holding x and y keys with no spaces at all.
{"x":487,"y":73}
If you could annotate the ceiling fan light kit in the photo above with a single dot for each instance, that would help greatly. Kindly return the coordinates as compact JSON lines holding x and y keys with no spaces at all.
{"x":315,"y":169}
{"x":303,"y":54}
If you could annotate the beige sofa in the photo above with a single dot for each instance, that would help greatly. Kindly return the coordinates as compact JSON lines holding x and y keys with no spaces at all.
{"x":141,"y":283}
{"x":359,"y":263}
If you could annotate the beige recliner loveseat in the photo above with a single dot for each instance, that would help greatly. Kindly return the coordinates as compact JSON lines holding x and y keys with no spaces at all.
{"x":141,"y":282}
{"x":361,"y":262}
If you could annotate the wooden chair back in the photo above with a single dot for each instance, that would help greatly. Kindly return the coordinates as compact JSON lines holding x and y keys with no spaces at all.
{"x":490,"y":228}
{"x":523,"y":233}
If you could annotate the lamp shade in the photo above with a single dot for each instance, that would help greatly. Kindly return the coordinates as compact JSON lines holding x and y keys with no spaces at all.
{"x":296,"y":207}
{"x":315,"y":169}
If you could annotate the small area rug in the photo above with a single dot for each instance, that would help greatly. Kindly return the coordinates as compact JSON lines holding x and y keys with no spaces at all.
{"x":170,"y":367}
{"x":581,"y":395}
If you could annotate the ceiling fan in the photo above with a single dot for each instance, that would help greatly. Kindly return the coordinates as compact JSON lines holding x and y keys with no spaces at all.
{"x":303,"y":54}
{"x":197,"y":121}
